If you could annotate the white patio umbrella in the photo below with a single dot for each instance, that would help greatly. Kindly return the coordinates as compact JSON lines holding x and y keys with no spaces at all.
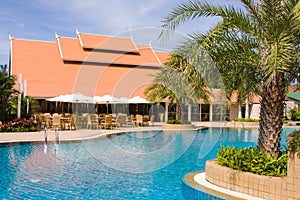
{"x":137,"y":100}
{"x":72,"y":98}
{"x":106,"y":99}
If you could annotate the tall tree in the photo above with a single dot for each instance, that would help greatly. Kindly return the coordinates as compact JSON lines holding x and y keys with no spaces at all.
{"x":273,"y":27}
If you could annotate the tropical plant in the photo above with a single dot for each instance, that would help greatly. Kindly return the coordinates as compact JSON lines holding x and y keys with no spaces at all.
{"x":27,"y":104}
{"x":251,"y":160}
{"x":271,"y":30}
{"x":294,"y":114}
{"x":294,"y":143}
{"x":7,"y":93}
{"x":177,"y":82}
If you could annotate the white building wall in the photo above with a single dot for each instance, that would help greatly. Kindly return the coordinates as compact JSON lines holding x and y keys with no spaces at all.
{"x":255,"y":111}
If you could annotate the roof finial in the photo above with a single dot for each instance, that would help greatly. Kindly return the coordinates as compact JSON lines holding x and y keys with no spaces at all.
{"x":76,"y":29}
{"x":56,"y":35}
{"x":10,"y":37}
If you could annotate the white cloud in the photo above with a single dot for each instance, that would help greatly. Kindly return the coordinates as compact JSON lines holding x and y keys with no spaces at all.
{"x":114,"y":16}
{"x":11,"y":21}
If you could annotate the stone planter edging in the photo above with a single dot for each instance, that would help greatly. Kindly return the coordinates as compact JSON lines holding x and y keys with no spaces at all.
{"x":178,"y":127}
{"x":266,"y":187}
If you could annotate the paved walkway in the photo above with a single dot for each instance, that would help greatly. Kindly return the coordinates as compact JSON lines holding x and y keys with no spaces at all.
{"x":84,"y":134}
{"x":66,"y":135}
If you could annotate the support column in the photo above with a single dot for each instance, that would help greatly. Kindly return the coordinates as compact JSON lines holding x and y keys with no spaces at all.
{"x":247,"y":107}
{"x":210,"y":112}
{"x":200,"y":112}
{"x":19,"y":95}
{"x":166,"y":111}
{"x":190,"y":112}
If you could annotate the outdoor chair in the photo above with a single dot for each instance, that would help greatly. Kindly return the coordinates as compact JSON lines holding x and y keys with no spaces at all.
{"x":92,"y":121}
{"x":129,"y":121}
{"x":152,"y":120}
{"x":121,"y":119}
{"x":70,"y":123}
{"x":107,"y":122}
{"x":139,"y":120}
{"x":41,"y":121}
{"x":56,"y":123}
{"x":48,"y":120}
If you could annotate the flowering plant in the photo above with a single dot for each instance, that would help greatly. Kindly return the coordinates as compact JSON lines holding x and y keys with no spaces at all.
{"x":19,"y":125}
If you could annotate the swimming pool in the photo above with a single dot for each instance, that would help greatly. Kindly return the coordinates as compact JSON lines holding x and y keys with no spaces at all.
{"x":142,"y":165}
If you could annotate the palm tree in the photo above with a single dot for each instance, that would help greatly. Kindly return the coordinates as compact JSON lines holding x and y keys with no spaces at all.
{"x":272,"y":29}
{"x":6,"y":93}
{"x":179,"y":83}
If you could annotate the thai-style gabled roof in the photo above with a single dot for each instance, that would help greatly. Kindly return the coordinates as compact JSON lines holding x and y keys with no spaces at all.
{"x":71,"y":50}
{"x":69,"y":65}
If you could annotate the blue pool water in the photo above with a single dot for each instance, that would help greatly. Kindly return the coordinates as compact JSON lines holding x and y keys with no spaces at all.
{"x":144,"y":165}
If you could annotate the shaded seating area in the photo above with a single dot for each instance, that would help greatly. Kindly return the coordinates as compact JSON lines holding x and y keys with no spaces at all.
{"x":69,"y":121}
{"x":60,"y":121}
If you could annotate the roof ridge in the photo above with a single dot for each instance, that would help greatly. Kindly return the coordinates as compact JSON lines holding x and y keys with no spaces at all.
{"x":94,"y":34}
{"x":32,"y":40}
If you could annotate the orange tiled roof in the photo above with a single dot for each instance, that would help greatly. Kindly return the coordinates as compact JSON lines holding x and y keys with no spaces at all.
{"x":54,"y":68}
{"x":71,"y":50}
{"x":253,"y":98}
{"x":107,"y":43}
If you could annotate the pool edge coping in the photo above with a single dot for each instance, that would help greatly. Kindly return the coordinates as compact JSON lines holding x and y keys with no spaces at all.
{"x":197,"y":181}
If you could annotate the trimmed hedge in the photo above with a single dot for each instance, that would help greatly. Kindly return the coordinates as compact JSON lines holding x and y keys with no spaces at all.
{"x":174,"y":121}
{"x":245,"y":120}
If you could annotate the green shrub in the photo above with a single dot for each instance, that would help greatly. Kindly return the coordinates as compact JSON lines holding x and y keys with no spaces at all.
{"x":251,"y":160}
{"x":245,"y":120}
{"x":174,"y":121}
{"x":294,"y":114}
{"x":294,"y":142}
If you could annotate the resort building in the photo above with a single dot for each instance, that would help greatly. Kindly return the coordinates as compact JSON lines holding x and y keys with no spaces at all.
{"x":97,"y":65}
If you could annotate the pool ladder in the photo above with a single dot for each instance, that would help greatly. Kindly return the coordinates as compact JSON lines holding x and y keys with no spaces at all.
{"x":46,"y":136}
{"x":46,"y":139}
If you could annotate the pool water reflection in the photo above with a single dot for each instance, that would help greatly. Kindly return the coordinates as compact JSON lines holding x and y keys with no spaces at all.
{"x":146,"y":165}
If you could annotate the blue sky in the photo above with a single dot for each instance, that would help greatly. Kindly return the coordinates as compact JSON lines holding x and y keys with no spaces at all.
{"x":40,"y":19}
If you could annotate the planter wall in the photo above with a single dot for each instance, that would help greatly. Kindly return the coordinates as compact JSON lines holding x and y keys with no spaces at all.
{"x":257,"y":185}
{"x":178,"y":127}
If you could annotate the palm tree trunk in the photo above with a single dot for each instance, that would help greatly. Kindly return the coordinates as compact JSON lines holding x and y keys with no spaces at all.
{"x":178,"y":110}
{"x":273,"y":95}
